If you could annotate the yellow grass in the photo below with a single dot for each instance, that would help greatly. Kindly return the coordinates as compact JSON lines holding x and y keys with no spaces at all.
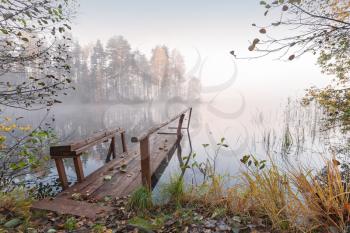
{"x":295,"y":200}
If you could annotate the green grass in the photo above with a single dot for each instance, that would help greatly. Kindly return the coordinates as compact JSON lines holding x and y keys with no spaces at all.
{"x":70,"y":224}
{"x":174,"y":190}
{"x":98,"y":228}
{"x":147,"y":225}
{"x":140,"y":200}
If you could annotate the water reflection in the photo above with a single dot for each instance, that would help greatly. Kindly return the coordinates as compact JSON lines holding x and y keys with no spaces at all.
{"x":289,"y":134}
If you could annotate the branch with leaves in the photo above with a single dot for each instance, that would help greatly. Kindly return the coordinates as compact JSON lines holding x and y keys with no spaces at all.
{"x":34,"y":51}
{"x":321,"y":28}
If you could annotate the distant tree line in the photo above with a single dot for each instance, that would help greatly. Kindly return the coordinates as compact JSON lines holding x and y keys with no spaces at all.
{"x":116,"y":73}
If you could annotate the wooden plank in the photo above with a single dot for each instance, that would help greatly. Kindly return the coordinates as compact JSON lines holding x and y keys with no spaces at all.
{"x":145,"y":163}
{"x":99,"y":173}
{"x":95,"y":137}
{"x":76,"y":208}
{"x":167,"y":133}
{"x":85,"y":143}
{"x":77,"y":144}
{"x":124,"y":183}
{"x":159,"y":160}
{"x":61,"y":173}
{"x":156,"y":128}
{"x":88,"y":146}
{"x":121,"y":184}
{"x":120,"y":181}
{"x":115,"y":174}
{"x":168,"y":146}
{"x":79,"y":151}
{"x":173,"y":127}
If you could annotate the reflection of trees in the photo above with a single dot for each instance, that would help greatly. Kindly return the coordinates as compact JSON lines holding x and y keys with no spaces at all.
{"x":74,"y":122}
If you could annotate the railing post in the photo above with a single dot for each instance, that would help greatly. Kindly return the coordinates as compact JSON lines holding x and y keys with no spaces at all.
{"x":179,"y":127}
{"x":122,"y":135}
{"x":78,"y":168}
{"x":111,"y":150}
{"x":145,"y":163}
{"x":61,"y":173}
{"x":113,"y":147}
{"x":189,"y":119}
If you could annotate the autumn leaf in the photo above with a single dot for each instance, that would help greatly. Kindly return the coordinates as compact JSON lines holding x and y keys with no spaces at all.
{"x":262,"y":31}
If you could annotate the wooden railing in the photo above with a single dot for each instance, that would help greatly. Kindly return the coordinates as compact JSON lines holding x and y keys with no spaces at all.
{"x":146,"y":173}
{"x":76,"y":149}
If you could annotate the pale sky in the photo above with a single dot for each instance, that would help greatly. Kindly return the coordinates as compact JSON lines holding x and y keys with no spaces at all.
{"x":214,"y":28}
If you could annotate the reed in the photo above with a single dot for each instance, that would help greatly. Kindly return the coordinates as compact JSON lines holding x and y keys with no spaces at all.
{"x":293,"y":199}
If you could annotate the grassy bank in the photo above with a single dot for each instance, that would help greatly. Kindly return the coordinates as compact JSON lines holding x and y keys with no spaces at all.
{"x":265,"y":198}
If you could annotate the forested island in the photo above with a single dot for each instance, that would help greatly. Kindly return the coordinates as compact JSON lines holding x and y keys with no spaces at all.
{"x":114,"y":73}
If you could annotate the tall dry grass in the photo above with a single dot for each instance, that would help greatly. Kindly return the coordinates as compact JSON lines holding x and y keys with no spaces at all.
{"x":292,"y":200}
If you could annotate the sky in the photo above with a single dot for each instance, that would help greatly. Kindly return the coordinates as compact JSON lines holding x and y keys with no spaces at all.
{"x":204,"y":31}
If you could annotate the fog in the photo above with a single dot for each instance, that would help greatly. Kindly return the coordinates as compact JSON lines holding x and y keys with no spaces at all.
{"x":245,"y":101}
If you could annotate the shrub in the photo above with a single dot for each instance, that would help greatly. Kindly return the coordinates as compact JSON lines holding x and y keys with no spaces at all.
{"x":15,"y":203}
{"x":21,"y":150}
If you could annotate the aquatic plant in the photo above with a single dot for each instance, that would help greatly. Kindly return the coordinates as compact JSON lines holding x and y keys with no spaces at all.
{"x":292,"y":198}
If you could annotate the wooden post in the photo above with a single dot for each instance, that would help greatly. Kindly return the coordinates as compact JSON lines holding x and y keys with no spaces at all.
{"x":61,"y":173}
{"x":113,"y":148}
{"x":189,"y":119}
{"x":145,"y":163}
{"x":179,"y":127}
{"x":78,"y":168}
{"x":122,"y":135}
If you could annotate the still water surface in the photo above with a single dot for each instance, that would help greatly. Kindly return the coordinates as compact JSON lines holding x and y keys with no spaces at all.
{"x":258,"y":131}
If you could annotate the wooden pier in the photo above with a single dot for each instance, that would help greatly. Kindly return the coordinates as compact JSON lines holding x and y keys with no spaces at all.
{"x":121,"y":174}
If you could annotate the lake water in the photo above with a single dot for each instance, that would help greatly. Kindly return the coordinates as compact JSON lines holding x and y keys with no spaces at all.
{"x":246,"y":129}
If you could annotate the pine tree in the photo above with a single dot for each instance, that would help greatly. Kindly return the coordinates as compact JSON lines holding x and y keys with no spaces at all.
{"x":98,"y":68}
{"x":159,"y":71}
{"x":142,"y":68}
{"x":176,"y":75}
{"x":118,"y":54}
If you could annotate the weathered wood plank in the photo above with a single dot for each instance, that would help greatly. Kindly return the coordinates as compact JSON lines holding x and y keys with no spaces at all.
{"x":125,"y":174}
{"x":158,"y":127}
{"x":79,"y":151}
{"x":162,"y":152}
{"x":117,"y":175}
{"x":61,"y":172}
{"x":67,"y":206}
{"x":75,"y":148}
{"x":78,"y":169}
{"x":123,"y":183}
{"x":95,"y":137}
{"x":145,"y":163}
{"x":92,"y":177}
